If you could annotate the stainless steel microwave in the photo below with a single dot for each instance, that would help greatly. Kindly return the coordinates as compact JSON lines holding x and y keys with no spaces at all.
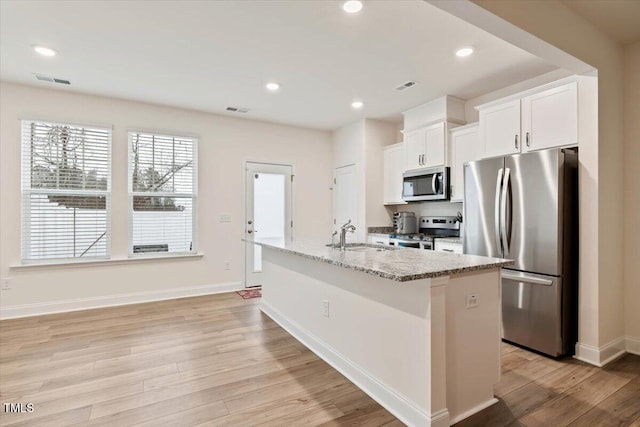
{"x":426,"y":184}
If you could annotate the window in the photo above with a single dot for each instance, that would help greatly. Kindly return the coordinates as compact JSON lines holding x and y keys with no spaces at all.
{"x":66,"y":204}
{"x":162,"y":193}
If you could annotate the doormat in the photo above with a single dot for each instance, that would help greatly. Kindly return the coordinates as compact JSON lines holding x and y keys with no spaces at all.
{"x":250,"y":293}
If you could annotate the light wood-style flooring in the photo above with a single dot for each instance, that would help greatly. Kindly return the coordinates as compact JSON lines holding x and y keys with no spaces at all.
{"x":217,"y":361}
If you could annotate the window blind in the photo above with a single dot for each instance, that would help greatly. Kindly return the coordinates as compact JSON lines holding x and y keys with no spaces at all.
{"x":66,"y":183}
{"x":162,"y":193}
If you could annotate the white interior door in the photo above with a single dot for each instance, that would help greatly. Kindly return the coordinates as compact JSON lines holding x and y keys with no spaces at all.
{"x":345,"y":193}
{"x":268,"y":213}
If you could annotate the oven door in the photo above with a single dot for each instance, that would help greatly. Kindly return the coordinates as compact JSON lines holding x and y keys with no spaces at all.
{"x":425,"y":184}
{"x":406,"y":244}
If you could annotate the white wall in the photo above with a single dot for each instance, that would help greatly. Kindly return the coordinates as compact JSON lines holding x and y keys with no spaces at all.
{"x":349,"y":149}
{"x":225,"y":143}
{"x":361,"y":143}
{"x":378,"y":135}
{"x":632,"y":194}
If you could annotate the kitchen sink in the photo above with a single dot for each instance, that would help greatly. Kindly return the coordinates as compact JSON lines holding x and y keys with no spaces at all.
{"x":363,"y":247}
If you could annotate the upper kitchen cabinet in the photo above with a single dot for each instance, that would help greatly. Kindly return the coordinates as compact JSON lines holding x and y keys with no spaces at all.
{"x":465,"y":147}
{"x":425,"y":131}
{"x":425,"y":147}
{"x":394,"y":163}
{"x":533,"y":120}
{"x":500,"y":129}
{"x":550,"y":118}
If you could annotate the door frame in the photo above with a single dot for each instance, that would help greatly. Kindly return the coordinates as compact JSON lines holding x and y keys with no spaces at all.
{"x":243,"y":206}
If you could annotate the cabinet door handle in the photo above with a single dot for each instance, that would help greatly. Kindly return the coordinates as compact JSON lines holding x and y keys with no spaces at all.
{"x":516,"y":142}
{"x":447,"y":250}
{"x":527,"y":139}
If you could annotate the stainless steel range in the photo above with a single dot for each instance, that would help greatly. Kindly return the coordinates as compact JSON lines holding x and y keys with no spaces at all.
{"x":430,"y":228}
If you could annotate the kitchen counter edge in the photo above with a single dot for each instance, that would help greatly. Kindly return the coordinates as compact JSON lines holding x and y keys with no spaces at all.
{"x":353,"y":261}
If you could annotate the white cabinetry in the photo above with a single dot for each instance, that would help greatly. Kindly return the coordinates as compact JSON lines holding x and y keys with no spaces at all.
{"x":550,"y":118}
{"x":414,"y":149}
{"x":394,"y":163}
{"x":425,"y":147}
{"x":500,"y":129}
{"x":540,"y":120}
{"x":448,"y":247}
{"x":379,"y":239}
{"x":465,"y":147}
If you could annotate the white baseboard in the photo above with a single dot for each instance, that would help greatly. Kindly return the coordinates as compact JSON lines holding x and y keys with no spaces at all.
{"x":633,"y":345}
{"x":398,"y":405}
{"x":600,"y":356}
{"x":474,"y":410}
{"x":28,"y":310}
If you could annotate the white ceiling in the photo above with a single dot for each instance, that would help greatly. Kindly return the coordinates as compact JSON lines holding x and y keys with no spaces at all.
{"x":619,"y":19}
{"x":207,"y":55}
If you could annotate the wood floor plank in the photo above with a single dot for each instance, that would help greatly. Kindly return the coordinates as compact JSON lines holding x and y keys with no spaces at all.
{"x":289,"y":365}
{"x":166,"y":394}
{"x":569,"y":406}
{"x":58,"y":419}
{"x":216,"y":360}
{"x":322,"y":376}
{"x":189,"y":417}
{"x":46,"y":394}
{"x":160,"y":409}
{"x":67,"y":403}
{"x":619,"y":409}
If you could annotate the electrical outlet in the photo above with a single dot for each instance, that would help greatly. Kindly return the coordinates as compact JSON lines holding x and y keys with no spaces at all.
{"x":225,"y":217}
{"x":325,"y":308}
{"x":227,"y":265}
{"x":6,"y":283}
{"x":471,"y":300}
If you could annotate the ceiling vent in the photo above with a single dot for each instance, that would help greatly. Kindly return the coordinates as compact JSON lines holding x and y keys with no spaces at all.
{"x":52,"y":79}
{"x":406,"y":85}
{"x":238,"y":109}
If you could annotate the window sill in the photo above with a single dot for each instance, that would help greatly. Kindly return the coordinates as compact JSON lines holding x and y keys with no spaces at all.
{"x":104,"y":262}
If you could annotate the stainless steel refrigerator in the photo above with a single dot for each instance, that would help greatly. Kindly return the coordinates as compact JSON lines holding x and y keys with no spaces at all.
{"x":525,"y":207}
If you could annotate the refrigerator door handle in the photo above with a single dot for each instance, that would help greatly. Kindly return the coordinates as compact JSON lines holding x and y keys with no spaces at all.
{"x":526,"y":278}
{"x":497,"y":210}
{"x":506,"y":234}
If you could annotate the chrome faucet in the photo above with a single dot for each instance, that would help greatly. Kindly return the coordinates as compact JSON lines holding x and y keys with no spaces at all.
{"x":343,"y":233}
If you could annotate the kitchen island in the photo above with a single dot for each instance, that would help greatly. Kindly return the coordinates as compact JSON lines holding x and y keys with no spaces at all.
{"x":419,"y":331}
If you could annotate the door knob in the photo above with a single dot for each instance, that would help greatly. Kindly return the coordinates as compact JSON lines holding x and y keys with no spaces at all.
{"x":249,"y":222}
{"x":249,"y":231}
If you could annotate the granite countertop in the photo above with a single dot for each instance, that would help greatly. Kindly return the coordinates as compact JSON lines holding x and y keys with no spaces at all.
{"x":398,"y":264}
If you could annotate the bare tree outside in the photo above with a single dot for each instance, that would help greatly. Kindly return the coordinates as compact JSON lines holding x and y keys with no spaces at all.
{"x":155,"y":178}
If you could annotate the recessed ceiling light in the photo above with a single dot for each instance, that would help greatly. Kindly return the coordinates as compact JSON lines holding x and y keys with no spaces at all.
{"x":465,"y":51}
{"x":272,"y":86}
{"x":44,"y":51}
{"x":357,"y":105}
{"x":352,"y":6}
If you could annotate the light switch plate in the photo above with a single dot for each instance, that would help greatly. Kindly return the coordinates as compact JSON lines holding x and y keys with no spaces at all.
{"x":225,"y":217}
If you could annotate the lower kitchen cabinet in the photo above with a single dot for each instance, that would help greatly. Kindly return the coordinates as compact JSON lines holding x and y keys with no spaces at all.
{"x":448,"y":247}
{"x":379,"y":239}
